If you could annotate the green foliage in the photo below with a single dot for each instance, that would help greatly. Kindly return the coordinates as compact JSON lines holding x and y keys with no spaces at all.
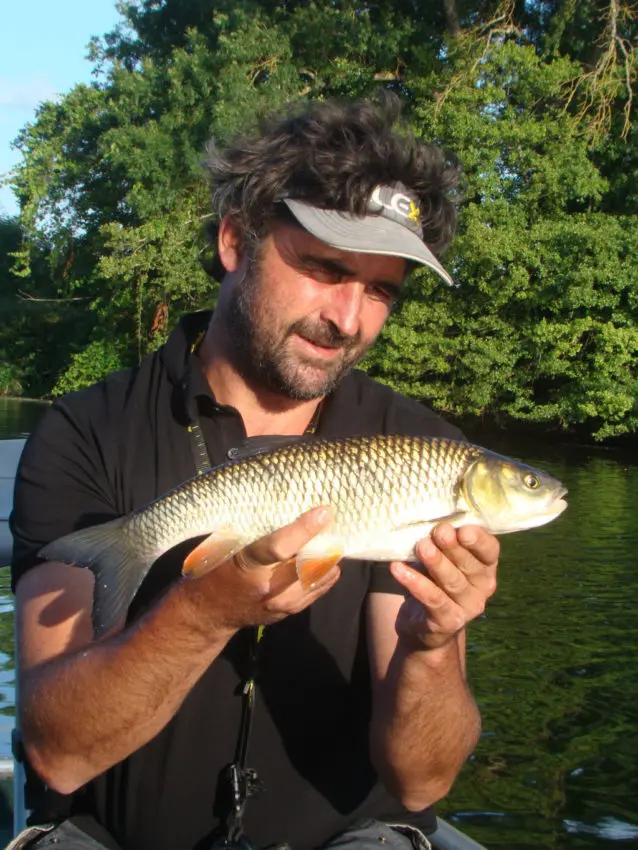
{"x":10,"y":242}
{"x":532,"y":97}
{"x":542,"y":325}
{"x":95,"y":361}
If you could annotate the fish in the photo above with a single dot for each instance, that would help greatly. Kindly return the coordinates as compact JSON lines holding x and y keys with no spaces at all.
{"x":386,"y":493}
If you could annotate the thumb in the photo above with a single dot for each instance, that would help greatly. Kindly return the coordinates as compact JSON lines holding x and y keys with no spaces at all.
{"x":285,"y":543}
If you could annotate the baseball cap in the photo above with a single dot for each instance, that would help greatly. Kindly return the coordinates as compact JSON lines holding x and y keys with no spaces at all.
{"x":390,"y":225}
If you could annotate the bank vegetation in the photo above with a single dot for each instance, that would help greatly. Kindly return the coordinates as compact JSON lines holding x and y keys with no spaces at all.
{"x":537,"y":100}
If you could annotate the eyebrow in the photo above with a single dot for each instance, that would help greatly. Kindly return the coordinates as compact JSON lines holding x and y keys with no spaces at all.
{"x":337,"y":267}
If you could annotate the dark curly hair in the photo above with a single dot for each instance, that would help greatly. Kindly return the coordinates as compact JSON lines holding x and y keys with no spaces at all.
{"x":331,"y":154}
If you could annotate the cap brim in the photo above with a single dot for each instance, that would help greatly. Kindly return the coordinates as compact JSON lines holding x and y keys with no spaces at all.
{"x":370,"y":234}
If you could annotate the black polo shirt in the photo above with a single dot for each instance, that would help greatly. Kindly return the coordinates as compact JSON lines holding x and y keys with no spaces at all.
{"x":114,"y":447}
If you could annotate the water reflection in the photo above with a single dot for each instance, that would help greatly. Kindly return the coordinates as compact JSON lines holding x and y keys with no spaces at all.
{"x":554,"y":666}
{"x":18,"y":416}
{"x":606,"y":828}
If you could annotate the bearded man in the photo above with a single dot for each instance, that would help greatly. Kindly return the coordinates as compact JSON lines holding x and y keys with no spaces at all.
{"x":362,"y":715}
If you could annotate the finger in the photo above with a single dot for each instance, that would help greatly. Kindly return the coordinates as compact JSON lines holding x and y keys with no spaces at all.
{"x":283,"y":544}
{"x":296,"y":597}
{"x":466,"y":580}
{"x":283,"y":574}
{"x":476,"y":554}
{"x":448,"y":544}
{"x":436,"y":611}
{"x":482,"y":547}
{"x":269,"y":580}
{"x":423,"y":631}
{"x":441,"y":568}
{"x":421,"y":587}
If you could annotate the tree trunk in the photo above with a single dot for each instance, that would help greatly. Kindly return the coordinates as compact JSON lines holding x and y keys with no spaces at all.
{"x":452,"y":18}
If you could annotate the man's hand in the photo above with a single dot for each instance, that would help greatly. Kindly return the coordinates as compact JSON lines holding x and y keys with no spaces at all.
{"x":460,"y":576}
{"x":259,"y":585}
{"x":127,"y":687}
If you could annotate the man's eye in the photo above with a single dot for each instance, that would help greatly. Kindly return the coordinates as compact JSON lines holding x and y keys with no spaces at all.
{"x":323,"y":275}
{"x":383,"y":293}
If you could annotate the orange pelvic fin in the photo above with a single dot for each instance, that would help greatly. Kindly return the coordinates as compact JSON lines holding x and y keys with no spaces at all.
{"x":211,"y":552}
{"x":312,"y":567}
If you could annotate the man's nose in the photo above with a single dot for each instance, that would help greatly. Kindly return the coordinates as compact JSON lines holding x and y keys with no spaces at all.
{"x":343,"y":307}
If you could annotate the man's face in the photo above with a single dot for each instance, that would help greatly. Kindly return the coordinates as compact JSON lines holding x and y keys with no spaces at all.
{"x":304,"y":313}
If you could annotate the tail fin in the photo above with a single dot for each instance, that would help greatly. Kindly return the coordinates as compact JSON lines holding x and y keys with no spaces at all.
{"x":118,"y":566}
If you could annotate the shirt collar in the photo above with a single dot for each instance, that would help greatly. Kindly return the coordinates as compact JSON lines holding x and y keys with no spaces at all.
{"x":182,"y":365}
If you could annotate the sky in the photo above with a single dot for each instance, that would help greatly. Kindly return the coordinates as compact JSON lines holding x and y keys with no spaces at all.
{"x":43,"y":47}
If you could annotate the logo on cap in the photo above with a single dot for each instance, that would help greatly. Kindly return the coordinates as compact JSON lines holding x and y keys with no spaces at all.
{"x":396,"y":202}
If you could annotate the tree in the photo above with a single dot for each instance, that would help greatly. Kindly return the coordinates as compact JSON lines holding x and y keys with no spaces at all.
{"x":542,"y":327}
{"x":535,"y":99}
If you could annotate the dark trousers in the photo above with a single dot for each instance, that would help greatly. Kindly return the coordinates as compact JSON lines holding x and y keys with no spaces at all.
{"x":366,"y":835}
{"x":370,"y":834}
{"x":80,"y":833}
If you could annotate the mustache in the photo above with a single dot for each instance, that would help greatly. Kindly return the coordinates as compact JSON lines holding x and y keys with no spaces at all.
{"x":325,"y":334}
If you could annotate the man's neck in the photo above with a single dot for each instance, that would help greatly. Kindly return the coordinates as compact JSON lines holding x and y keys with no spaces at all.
{"x":262,"y":411}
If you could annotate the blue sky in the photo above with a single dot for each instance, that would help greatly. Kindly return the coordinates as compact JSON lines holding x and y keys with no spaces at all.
{"x":43,"y":46}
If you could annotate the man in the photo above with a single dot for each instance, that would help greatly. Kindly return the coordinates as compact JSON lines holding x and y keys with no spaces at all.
{"x":363,"y":716}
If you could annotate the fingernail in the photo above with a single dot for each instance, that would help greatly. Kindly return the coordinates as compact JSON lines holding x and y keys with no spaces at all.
{"x":444,"y":534}
{"x":401,"y":572}
{"x":427,"y":548}
{"x":324,"y":513}
{"x":469,"y":537}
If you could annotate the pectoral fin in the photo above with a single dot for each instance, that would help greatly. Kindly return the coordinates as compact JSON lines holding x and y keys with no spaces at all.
{"x":211,"y":552}
{"x":317,"y":558}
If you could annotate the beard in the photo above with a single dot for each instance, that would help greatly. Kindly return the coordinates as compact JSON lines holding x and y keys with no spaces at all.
{"x":262,"y":351}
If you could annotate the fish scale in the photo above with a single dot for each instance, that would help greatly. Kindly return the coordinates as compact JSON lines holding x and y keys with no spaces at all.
{"x":258,"y":495}
{"x":367,"y":480}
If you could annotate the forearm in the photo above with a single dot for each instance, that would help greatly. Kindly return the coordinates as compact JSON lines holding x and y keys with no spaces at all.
{"x":86,"y":706}
{"x":424,"y":722}
{"x":83,"y":712}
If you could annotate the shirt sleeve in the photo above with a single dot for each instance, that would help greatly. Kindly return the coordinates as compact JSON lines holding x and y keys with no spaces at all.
{"x":61,"y":485}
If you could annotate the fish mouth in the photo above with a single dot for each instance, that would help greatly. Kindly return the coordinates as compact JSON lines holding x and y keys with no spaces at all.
{"x":558,"y":503}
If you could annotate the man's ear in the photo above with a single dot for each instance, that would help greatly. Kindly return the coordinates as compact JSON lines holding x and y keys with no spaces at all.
{"x":230,"y":244}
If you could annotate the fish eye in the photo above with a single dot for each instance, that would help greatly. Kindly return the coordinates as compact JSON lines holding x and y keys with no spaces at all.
{"x":531,"y":481}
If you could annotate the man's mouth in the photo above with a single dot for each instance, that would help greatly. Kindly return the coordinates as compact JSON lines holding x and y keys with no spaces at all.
{"x":321,"y":348}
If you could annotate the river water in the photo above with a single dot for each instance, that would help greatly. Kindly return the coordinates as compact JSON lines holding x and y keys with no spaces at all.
{"x":553,"y":664}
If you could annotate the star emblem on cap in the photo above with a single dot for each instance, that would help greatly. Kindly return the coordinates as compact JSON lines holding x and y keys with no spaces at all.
{"x":415,"y":213}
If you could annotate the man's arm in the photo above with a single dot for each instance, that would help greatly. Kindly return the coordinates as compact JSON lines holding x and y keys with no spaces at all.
{"x":85,"y":705}
{"x":425,"y":722}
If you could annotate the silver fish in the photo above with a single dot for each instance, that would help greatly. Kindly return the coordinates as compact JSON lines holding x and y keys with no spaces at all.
{"x":387,"y":493}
